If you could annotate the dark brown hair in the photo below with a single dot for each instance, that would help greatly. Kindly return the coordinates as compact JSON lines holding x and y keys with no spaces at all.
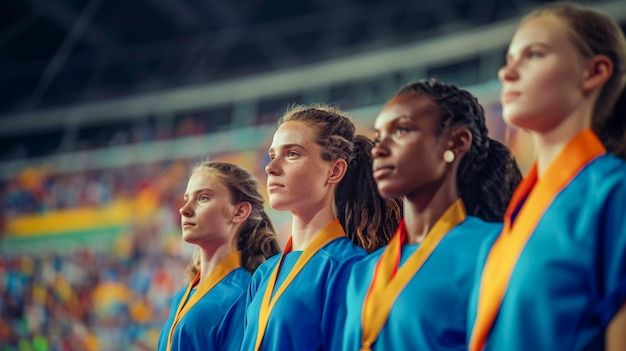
{"x":368,"y":219}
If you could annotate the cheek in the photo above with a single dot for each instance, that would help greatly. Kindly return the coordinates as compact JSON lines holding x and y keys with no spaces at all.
{"x":558,"y":83}
{"x":556,"y":95}
{"x":300,"y":180}
{"x":226,"y":211}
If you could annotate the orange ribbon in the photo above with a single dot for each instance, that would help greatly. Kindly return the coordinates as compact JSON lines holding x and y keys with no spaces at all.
{"x":332,"y":231}
{"x":505,"y":252}
{"x":386,"y":285}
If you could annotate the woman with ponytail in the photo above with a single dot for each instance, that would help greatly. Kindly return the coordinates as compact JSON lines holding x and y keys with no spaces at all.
{"x":320,"y":171}
{"x":555,"y":278}
{"x":223,"y":216}
{"x":433,"y":151}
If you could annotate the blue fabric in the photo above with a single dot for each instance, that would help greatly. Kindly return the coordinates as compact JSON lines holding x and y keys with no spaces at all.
{"x":213,"y":323}
{"x":570,"y":278}
{"x":309,"y":314}
{"x":430,"y":313}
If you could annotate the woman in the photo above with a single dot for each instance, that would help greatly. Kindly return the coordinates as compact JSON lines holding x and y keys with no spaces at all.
{"x":320,"y":172}
{"x":433,"y":151}
{"x":223,"y":216}
{"x":555,"y":279}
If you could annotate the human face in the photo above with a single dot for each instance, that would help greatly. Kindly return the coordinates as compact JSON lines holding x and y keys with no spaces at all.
{"x":543,"y":76}
{"x":408,"y":153}
{"x":206,"y":216}
{"x":297,"y":174}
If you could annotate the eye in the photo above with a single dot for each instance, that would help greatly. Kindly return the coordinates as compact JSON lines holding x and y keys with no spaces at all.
{"x":292,"y":154}
{"x":399,"y":130}
{"x":272,"y":156}
{"x":376,"y":141}
{"x":203,"y":197}
{"x":532,"y":54}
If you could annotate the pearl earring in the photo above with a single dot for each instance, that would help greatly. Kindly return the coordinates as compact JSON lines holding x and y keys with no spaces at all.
{"x":448,"y":156}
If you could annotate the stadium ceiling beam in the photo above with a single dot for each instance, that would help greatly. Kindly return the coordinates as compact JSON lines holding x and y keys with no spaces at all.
{"x":182,"y":16}
{"x":78,"y":28}
{"x":435,"y":51}
{"x":60,"y":14}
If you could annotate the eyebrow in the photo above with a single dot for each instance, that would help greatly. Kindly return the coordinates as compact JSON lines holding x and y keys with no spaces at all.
{"x":202,"y":190}
{"x":396,"y":119}
{"x":525,"y":47}
{"x":286,"y":146}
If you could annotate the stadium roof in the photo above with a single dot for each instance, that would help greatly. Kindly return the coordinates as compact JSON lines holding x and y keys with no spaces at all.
{"x":55,"y":53}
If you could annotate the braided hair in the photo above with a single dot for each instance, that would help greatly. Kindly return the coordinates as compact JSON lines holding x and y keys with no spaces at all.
{"x":487,"y":174}
{"x":368,"y":219}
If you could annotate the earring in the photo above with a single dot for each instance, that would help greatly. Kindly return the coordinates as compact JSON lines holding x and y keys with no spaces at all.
{"x":448,"y":156}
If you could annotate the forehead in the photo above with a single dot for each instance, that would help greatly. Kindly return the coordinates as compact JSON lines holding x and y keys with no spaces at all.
{"x":416,"y":106}
{"x":205,"y":179}
{"x":542,"y":28}
{"x":293,"y":132}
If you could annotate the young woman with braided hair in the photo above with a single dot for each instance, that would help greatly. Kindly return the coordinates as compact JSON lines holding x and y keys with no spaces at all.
{"x":433,"y":151}
{"x":320,"y":171}
{"x":555,"y":278}
{"x":223,"y":216}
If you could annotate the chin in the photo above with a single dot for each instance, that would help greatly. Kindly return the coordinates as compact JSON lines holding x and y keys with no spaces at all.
{"x":189,"y":238}
{"x":388,"y":192}
{"x":277,"y":205}
{"x":515,"y":120}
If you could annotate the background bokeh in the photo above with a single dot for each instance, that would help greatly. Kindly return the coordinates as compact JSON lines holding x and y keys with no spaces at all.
{"x":105,"y":105}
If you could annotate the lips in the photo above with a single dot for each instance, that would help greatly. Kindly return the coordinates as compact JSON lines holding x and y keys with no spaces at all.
{"x":271,"y":187}
{"x":383,"y":171}
{"x":508,"y":96}
{"x":187,"y":225}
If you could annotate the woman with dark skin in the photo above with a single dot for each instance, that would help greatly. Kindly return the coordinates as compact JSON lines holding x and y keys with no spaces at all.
{"x":432,"y":151}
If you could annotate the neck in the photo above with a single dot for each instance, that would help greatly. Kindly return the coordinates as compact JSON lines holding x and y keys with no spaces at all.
{"x":422,"y":211}
{"x":211,"y":256}
{"x":304,"y":228}
{"x":550,"y":143}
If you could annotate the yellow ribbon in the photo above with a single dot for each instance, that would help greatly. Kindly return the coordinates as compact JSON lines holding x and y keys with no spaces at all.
{"x":328,"y":234}
{"x":388,"y":281}
{"x":228,"y":264}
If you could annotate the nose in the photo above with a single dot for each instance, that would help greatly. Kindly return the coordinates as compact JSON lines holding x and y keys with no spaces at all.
{"x":508,"y":72}
{"x":185,"y":210}
{"x":379,"y":149}
{"x":272,"y":168}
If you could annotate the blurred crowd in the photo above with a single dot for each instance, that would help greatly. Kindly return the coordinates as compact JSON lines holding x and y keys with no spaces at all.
{"x":94,"y":298}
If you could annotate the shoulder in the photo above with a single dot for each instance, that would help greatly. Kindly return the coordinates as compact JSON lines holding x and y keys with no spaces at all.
{"x":240,"y":278}
{"x":472,"y":223}
{"x":266,"y":267}
{"x":474,"y":227}
{"x":179,"y":295}
{"x":606,"y":170}
{"x":369,"y":261}
{"x":471,"y":234}
{"x":341,"y":250}
{"x":602,"y":181}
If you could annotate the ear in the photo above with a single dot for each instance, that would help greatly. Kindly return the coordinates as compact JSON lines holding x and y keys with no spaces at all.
{"x":598,"y":71}
{"x":242,"y":211}
{"x":460,"y":141}
{"x":338,"y":170}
